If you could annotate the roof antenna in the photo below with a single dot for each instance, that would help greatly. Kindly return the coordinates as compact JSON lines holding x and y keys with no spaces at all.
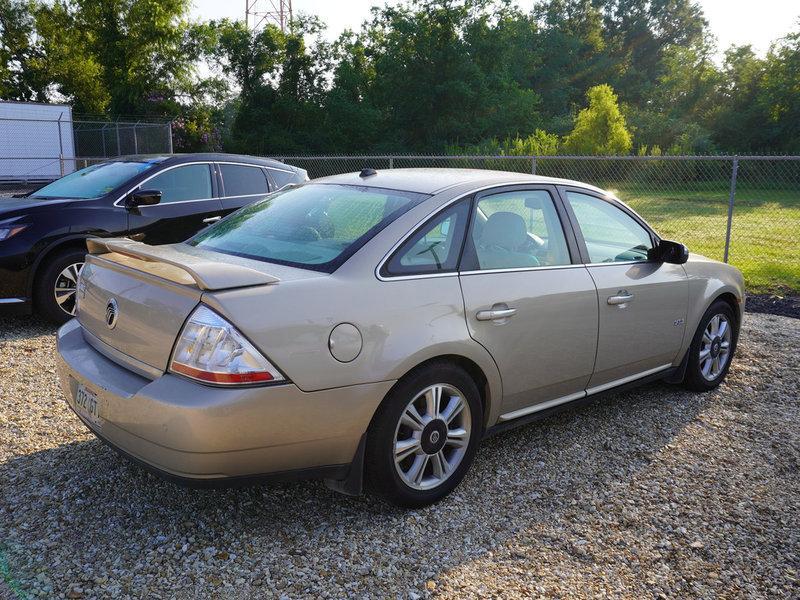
{"x":367,"y":172}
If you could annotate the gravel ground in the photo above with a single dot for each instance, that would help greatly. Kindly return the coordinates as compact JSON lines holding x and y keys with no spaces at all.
{"x":655,"y":492}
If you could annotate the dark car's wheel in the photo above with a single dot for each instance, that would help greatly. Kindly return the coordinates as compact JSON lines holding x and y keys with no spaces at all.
{"x":56,"y":285}
{"x":424,"y":436}
{"x":712,"y":348}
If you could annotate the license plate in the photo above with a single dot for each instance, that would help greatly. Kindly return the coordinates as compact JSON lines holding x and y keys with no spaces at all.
{"x":87,"y":405}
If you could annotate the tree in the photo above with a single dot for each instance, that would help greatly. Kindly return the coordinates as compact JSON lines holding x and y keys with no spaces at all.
{"x":119,"y":56}
{"x":21,"y":59}
{"x":600,"y":128}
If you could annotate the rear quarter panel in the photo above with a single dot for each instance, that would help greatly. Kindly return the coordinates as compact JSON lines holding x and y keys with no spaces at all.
{"x":402,"y":324}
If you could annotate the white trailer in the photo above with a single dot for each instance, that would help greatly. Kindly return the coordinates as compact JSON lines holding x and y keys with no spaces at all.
{"x":36,"y":141}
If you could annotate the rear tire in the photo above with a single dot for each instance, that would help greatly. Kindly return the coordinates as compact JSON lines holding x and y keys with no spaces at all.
{"x":712,"y":348}
{"x":56,"y":285}
{"x":424,"y":436}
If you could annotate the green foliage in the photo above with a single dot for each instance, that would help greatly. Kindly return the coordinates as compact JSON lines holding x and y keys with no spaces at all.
{"x":600,"y":128}
{"x":419,"y":76}
{"x":21,"y":61}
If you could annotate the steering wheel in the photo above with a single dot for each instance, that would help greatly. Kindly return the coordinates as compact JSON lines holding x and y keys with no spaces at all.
{"x":306,"y":233}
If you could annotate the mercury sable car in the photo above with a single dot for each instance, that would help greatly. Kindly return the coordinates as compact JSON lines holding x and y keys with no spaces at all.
{"x":373,"y":327}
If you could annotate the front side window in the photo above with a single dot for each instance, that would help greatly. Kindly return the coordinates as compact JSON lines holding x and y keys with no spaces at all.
{"x":435,"y":247}
{"x":94,"y":181}
{"x":611,"y":234}
{"x":316,"y":226}
{"x":241,"y":180}
{"x":518,"y":229}
{"x":190,"y":182}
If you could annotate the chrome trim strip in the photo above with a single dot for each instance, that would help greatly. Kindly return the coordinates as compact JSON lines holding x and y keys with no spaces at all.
{"x":141,"y":183}
{"x":543,"y":406}
{"x":11,"y":300}
{"x":578,"y":395}
{"x":624,"y":380}
{"x":120,"y":358}
{"x":619,"y":262}
{"x":520,"y":269}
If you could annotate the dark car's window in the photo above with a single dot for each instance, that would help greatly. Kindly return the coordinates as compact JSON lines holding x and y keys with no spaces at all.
{"x":316,"y":225}
{"x":94,"y":181}
{"x":518,"y":229}
{"x":610,"y":233}
{"x":190,"y":182}
{"x":241,"y":180}
{"x":435,"y":247}
{"x":283,"y":178}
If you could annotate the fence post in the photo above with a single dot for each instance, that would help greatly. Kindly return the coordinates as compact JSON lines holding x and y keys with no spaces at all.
{"x":391,"y":162}
{"x":533,"y":165}
{"x":169,"y":133}
{"x":135,"y":141}
{"x":119,"y":150}
{"x":731,"y":200}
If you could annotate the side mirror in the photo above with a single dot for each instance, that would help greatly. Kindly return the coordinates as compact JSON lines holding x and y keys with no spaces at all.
{"x":669,"y":252}
{"x":143,"y":198}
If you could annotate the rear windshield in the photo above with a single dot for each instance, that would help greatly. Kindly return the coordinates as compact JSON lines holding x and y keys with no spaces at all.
{"x":94,"y":181}
{"x":315,"y":226}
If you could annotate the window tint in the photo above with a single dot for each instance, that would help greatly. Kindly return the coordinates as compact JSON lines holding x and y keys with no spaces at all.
{"x":282,"y":178}
{"x":241,"y":180}
{"x":192,"y":182}
{"x":314,"y":225}
{"x":435,"y":247}
{"x":610,"y":233}
{"x":518,"y":229}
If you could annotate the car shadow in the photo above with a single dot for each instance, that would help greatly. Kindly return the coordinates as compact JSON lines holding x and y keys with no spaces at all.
{"x":24,"y":327}
{"x":81,"y":503}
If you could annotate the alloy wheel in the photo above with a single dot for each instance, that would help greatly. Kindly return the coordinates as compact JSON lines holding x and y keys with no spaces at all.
{"x":432,"y":436}
{"x":66,"y":287}
{"x":715,"y":347}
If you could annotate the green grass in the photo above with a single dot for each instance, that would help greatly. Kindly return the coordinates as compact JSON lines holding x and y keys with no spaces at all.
{"x":764,"y":234}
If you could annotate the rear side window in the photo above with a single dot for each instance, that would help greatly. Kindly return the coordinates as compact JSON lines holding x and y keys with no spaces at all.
{"x":242,"y":180}
{"x":191,"y":182}
{"x":283,"y":178}
{"x":518,"y":229}
{"x":435,"y":247}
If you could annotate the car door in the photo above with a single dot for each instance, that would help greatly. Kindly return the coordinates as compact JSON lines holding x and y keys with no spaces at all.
{"x":188,"y":203}
{"x":528,"y":299}
{"x":241,"y":185}
{"x":642,"y":303}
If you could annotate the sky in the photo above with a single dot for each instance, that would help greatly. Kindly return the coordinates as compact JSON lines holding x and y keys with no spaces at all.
{"x":732,"y":21}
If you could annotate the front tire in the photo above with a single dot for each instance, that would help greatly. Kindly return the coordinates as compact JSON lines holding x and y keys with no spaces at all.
{"x":712,"y":348}
{"x":424,"y":436}
{"x":56,"y":285}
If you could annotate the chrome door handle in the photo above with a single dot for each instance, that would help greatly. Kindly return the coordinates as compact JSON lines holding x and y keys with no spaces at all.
{"x":210,"y":220}
{"x":495,"y":314}
{"x":622,"y":297}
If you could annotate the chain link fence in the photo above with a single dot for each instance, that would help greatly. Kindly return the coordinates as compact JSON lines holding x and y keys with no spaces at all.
{"x":35,"y":150}
{"x":743,"y":210}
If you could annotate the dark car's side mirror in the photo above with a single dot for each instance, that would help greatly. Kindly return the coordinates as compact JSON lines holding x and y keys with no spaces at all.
{"x":143,"y":198}
{"x":669,"y":252}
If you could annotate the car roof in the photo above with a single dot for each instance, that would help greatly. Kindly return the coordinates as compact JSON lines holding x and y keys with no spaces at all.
{"x":174,"y":159}
{"x":434,"y":181}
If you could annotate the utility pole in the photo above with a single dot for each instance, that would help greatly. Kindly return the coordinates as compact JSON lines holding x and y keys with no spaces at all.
{"x":259,"y":12}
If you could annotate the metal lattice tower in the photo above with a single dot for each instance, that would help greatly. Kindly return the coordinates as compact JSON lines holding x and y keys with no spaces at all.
{"x":259,"y":12}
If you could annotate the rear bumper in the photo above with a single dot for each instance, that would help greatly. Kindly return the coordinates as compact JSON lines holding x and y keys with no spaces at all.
{"x":204,"y":435}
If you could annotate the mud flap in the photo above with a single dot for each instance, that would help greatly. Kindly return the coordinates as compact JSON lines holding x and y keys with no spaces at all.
{"x":353,"y":484}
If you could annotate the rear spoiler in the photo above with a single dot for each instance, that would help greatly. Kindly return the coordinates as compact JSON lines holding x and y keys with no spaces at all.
{"x":207,"y":274}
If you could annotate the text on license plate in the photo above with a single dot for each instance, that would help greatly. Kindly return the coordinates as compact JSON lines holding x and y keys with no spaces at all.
{"x":87,"y":405}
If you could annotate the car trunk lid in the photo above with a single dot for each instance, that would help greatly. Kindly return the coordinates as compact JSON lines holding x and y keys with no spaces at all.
{"x":133,"y":299}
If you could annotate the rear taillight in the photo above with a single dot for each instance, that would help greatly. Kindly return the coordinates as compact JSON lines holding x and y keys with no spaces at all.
{"x":211,"y":350}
